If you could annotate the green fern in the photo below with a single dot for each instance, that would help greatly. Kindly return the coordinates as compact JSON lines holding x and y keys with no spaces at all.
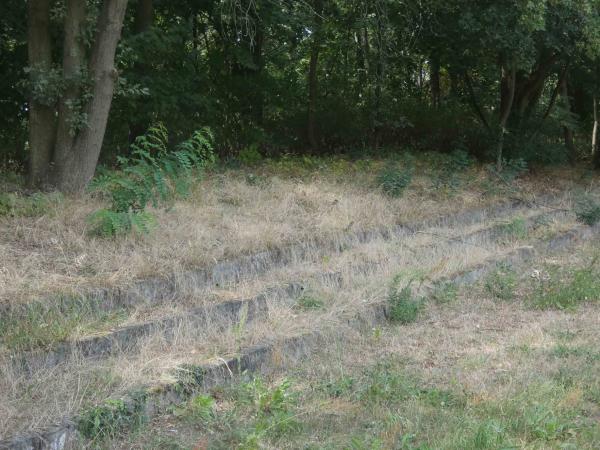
{"x":152,"y":176}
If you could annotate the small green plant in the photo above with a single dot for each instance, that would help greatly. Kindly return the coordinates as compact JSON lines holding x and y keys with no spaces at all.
{"x":200,"y":409}
{"x":109,"y":419}
{"x":587,"y":210}
{"x":308,"y":302}
{"x":450,"y":169}
{"x":271,"y":407}
{"x":501,"y":283}
{"x":250,"y":155}
{"x":153,"y":175}
{"x":394,"y":178}
{"x":404,"y":308}
{"x":516,"y":228}
{"x":445,"y":292}
{"x":566,"y":292}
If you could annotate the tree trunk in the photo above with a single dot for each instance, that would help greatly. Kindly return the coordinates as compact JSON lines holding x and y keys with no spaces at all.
{"x":595,"y":152}
{"x":41,"y":113}
{"x":313,"y":81}
{"x":73,"y":65}
{"x":79,"y":168}
{"x":435,"y":81}
{"x":507,"y":97}
{"x":568,"y":132}
{"x":144,"y":16}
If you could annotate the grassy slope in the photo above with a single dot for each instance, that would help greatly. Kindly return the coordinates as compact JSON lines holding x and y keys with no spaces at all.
{"x":500,"y":366}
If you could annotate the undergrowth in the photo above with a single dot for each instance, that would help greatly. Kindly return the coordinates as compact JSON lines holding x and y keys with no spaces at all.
{"x":153,"y":175}
{"x":396,"y":176}
{"x":35,"y":205}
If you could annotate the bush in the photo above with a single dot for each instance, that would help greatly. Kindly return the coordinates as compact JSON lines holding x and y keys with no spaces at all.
{"x":394,"y":178}
{"x":250,"y":155}
{"x":501,"y":283}
{"x":587,"y":210}
{"x":154,"y":175}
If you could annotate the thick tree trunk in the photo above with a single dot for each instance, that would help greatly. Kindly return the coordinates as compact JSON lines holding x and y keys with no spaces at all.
{"x":313,"y":81}
{"x":41,"y":114}
{"x":568,"y":132}
{"x":79,"y":168}
{"x":507,"y":97}
{"x":73,"y":65}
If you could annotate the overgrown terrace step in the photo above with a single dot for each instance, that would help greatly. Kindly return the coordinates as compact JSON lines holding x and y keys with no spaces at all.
{"x":222,"y":315}
{"x":191,"y":379}
{"x":161,"y":289}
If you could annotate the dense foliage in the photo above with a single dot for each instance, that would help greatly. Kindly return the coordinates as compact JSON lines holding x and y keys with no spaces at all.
{"x":512,"y":80}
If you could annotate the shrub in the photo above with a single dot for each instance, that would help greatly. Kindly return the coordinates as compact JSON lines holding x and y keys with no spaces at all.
{"x":394,"y":178}
{"x":501,"y":283}
{"x":250,"y":155}
{"x":403,"y":306}
{"x":587,"y":210}
{"x":450,"y":168}
{"x":153,"y":175}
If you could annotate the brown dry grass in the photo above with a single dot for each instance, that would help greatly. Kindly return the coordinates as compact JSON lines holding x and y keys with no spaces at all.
{"x":508,"y":364}
{"x":225,"y":217}
{"x":365,"y":269}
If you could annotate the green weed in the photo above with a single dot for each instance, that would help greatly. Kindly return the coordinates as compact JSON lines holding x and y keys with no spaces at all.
{"x":587,"y":210}
{"x":444,"y":292}
{"x":250,"y":155}
{"x":152,"y":176}
{"x":404,"y":308}
{"x":200,"y":409}
{"x":394,"y":178}
{"x":35,"y":205}
{"x":516,"y":228}
{"x":568,"y":290}
{"x":308,"y":302}
{"x":109,"y":419}
{"x":501,"y":283}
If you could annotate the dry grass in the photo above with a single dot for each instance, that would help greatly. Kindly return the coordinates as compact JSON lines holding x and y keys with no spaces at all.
{"x":225,"y":217}
{"x":366,"y":270}
{"x":474,"y":374}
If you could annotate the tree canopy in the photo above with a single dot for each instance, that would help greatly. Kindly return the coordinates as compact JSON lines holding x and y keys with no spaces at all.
{"x":516,"y":79}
